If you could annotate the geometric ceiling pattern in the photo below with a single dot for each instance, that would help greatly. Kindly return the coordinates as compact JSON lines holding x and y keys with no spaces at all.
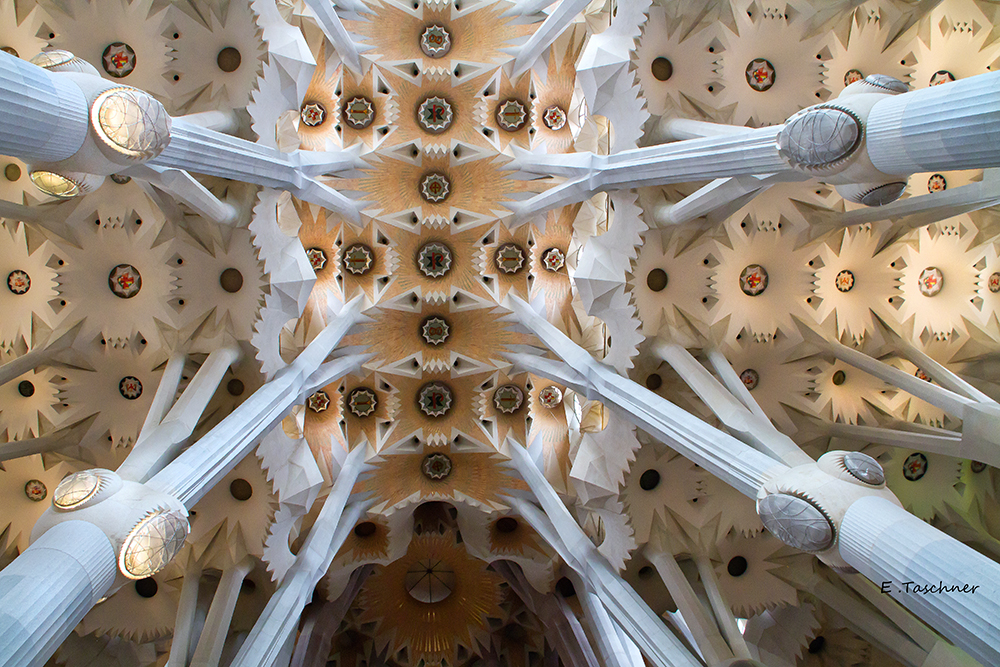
{"x":442,"y":108}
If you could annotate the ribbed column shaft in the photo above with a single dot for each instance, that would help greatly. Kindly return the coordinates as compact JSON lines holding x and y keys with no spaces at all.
{"x":44,"y":117}
{"x":49,"y":588}
{"x":887,"y":544}
{"x":953,"y":126}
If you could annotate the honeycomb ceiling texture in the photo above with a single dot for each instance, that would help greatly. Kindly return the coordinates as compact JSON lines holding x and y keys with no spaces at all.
{"x":442,"y":115}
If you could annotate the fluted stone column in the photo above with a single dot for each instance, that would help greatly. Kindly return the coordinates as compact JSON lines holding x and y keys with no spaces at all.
{"x":44,"y":116}
{"x":942,"y":128}
{"x":277,"y":624}
{"x":896,"y":550}
{"x":220,"y":615}
{"x":49,"y":588}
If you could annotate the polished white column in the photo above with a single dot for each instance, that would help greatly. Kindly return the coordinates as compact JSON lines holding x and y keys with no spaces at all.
{"x":896,"y":550}
{"x":49,"y":588}
{"x":943,"y":128}
{"x":44,"y":116}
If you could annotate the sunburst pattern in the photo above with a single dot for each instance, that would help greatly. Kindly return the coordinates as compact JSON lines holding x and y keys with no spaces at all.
{"x":432,"y":631}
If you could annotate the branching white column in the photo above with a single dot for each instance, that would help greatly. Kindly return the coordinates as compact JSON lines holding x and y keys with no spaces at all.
{"x":947,"y":584}
{"x":44,"y":116}
{"x":160,"y":442}
{"x":602,"y":628}
{"x":720,"y":198}
{"x":220,"y":615}
{"x":280,"y":618}
{"x":753,"y":152}
{"x":37,"y":609}
{"x":980,"y":415}
{"x":678,"y":129}
{"x":703,"y":628}
{"x":723,"y":612}
{"x":942,"y":128}
{"x":333,"y":28}
{"x":752,"y":427}
{"x":862,"y":619}
{"x":562,"y":532}
{"x":927,"y":209}
{"x":553,"y":26}
{"x":203,"y":151}
{"x":227,"y":122}
{"x":726,"y":457}
{"x":189,"y":476}
{"x":59,"y":341}
{"x":67,"y":436}
{"x":183,"y":187}
{"x":187,"y":606}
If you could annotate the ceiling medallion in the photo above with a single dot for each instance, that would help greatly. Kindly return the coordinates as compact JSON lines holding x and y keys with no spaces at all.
{"x":362,"y":402}
{"x":931,"y":281}
{"x":511,"y":115}
{"x":125,"y":281}
{"x":318,"y":402}
{"x":845,"y":281}
{"x":130,"y":387}
{"x":915,"y":466}
{"x":853,"y":76}
{"x":118,"y":59}
{"x":435,"y":330}
{"x":313,"y":114}
{"x":435,"y":114}
{"x":435,"y":399}
{"x":435,"y":41}
{"x":508,"y":399}
{"x":554,"y":118}
{"x":359,"y":113}
{"x":941,"y":76}
{"x":509,"y":258}
{"x":434,"y":260}
{"x":435,"y":188}
{"x":994,"y":282}
{"x":18,"y":281}
{"x":753,"y":280}
{"x":436,"y":466}
{"x":550,"y":397}
{"x":750,"y":378}
{"x":937,"y":183}
{"x":978,"y":466}
{"x":358,"y":259}
{"x":430,"y":581}
{"x":921,"y":374}
{"x":553,"y":259}
{"x":317,"y":258}
{"x":760,"y":74}
{"x":35,"y":490}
